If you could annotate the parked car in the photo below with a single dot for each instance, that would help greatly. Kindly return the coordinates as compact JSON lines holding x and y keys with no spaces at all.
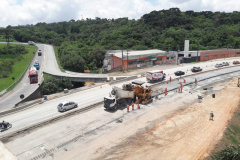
{"x":62,"y":107}
{"x":179,"y":73}
{"x":218,"y":65}
{"x":225,"y":63}
{"x":235,"y":62}
{"x":196,"y":69}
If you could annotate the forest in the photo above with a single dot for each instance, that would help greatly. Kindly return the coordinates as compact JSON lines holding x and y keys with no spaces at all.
{"x":82,"y":44}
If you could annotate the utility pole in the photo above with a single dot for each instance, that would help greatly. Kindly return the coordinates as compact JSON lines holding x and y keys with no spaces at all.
{"x":122,"y":62}
{"x":127,"y":60}
{"x":197,"y":53}
{"x":113,"y":60}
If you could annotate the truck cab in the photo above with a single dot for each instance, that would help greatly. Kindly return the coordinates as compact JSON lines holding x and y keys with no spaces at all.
{"x":110,"y":102}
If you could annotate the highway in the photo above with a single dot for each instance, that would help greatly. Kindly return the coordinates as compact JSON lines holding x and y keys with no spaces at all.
{"x":48,"y":64}
{"x":51,"y":67}
{"x":24,"y":87}
{"x":87,"y":126}
{"x":48,"y":109}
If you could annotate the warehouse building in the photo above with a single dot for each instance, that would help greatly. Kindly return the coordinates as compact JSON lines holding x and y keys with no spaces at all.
{"x":126,"y":59}
{"x":205,"y":55}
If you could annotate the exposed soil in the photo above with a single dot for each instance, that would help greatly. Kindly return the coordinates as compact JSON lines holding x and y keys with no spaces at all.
{"x":187,"y":134}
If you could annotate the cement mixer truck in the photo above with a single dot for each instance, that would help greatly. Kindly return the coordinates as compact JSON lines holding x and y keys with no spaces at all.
{"x":120,"y":97}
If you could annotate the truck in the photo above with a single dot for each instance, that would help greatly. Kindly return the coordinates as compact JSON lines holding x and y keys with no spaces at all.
{"x":39,"y":53}
{"x":155,"y":75}
{"x":33,"y":75}
{"x":37,"y":66}
{"x":120,"y":97}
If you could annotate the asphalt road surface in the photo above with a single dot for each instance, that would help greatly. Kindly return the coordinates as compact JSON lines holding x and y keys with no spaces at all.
{"x":24,"y":87}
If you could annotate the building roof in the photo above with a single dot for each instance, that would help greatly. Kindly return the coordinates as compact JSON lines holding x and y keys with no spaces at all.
{"x":134,"y":53}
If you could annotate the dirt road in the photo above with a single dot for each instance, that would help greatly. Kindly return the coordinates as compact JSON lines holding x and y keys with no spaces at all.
{"x":186,"y":135}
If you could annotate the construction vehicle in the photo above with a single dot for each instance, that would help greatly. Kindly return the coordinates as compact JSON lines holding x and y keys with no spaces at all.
{"x":238,"y":82}
{"x":130,"y":92}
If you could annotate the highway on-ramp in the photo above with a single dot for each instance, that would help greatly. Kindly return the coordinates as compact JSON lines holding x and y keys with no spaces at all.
{"x":24,"y":87}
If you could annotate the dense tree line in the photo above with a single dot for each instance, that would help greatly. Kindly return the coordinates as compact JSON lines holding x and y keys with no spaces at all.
{"x":8,"y":55}
{"x":83,"y":43}
{"x":54,"y":85}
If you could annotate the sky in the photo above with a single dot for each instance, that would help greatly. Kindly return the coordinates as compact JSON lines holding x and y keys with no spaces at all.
{"x":23,"y":12}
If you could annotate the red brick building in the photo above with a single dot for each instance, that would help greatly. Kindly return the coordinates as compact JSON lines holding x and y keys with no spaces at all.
{"x":133,"y":59}
{"x":217,"y":54}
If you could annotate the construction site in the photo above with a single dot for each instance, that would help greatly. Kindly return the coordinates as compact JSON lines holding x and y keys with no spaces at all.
{"x":162,"y":111}
{"x":172,"y":124}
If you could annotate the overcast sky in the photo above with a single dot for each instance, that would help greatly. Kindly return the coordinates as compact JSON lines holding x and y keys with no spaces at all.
{"x":22,"y":12}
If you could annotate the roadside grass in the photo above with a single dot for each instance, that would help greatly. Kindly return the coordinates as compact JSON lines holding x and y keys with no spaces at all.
{"x":18,"y":67}
{"x":231,"y":136}
{"x":58,"y":60}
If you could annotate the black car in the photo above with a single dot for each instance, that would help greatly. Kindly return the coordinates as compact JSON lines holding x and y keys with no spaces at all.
{"x":179,"y":73}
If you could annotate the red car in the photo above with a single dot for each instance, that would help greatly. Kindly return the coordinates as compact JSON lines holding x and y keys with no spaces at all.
{"x":236,"y":62}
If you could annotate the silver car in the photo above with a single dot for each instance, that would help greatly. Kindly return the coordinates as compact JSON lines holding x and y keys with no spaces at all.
{"x":62,"y":107}
{"x":218,"y":65}
{"x":225,"y":63}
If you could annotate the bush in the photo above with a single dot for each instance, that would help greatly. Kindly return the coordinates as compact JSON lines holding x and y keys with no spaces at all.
{"x":6,"y":68}
{"x":54,"y":85}
{"x":229,"y":153}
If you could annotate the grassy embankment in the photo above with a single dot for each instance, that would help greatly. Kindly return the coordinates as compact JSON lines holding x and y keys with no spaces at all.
{"x":231,"y":136}
{"x":58,"y":60}
{"x":18,"y":67}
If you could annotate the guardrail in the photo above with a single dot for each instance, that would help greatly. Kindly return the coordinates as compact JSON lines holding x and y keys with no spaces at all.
{"x":18,"y":80}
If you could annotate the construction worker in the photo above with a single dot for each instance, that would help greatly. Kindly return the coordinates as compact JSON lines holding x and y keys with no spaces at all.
{"x":138,"y":106}
{"x":137,"y":99}
{"x":211,"y":115}
{"x":170,"y":79}
{"x":127,"y":107}
{"x":132,"y":105}
{"x":165,"y":91}
{"x":184,"y":80}
{"x":195,"y":80}
{"x":179,"y":89}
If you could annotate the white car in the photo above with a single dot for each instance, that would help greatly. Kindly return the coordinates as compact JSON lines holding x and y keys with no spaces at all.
{"x":62,"y":107}
{"x":218,"y":65}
